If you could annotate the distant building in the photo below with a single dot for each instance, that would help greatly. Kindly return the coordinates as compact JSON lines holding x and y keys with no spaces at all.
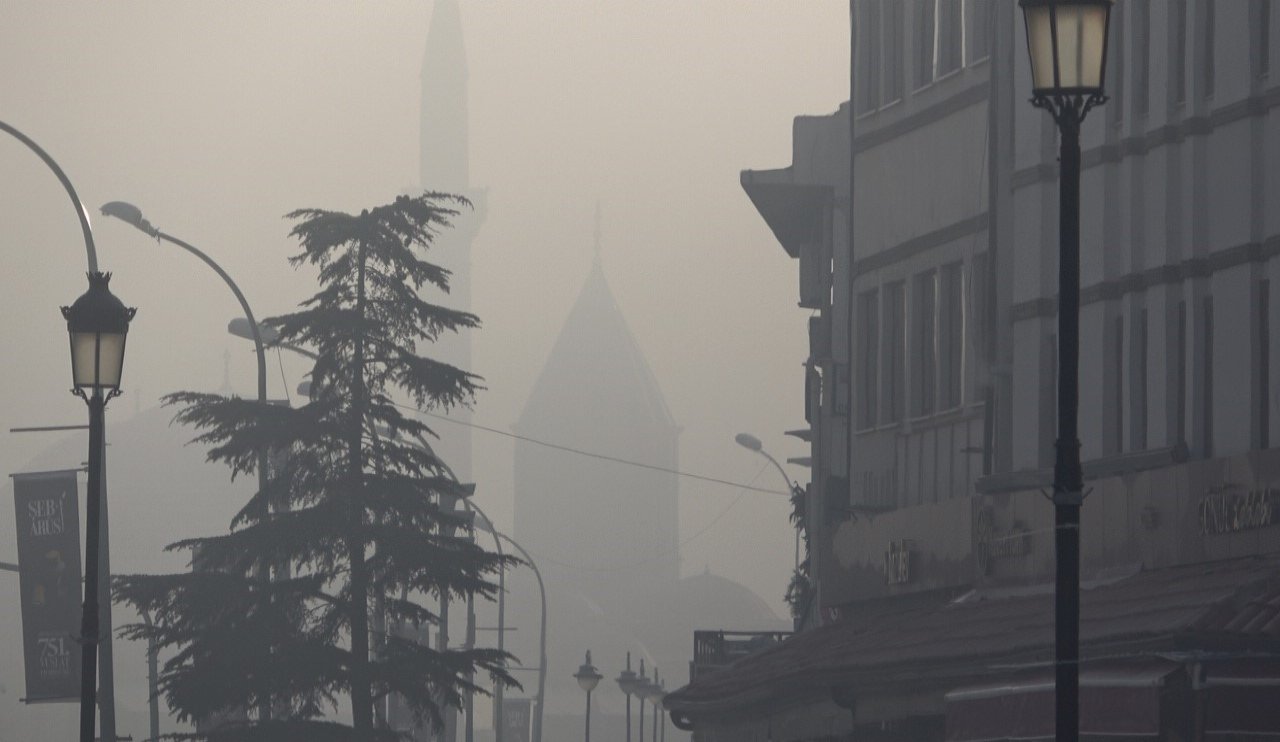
{"x":931,"y":387}
{"x":605,"y":533}
{"x":594,"y":520}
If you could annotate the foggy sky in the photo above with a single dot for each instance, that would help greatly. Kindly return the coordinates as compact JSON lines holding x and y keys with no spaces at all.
{"x":217,"y":118}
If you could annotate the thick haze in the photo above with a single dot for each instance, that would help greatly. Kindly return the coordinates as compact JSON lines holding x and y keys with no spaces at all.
{"x":217,"y":118}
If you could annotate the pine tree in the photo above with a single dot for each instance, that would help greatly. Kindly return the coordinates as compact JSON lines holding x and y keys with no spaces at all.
{"x":358,"y":505}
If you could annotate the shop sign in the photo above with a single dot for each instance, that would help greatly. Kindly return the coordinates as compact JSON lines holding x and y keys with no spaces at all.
{"x":992,"y":544}
{"x":897,"y":562}
{"x":1229,"y":512}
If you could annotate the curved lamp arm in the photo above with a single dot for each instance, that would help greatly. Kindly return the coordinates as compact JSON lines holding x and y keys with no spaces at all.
{"x":91,"y":251}
{"x":499,"y":537}
{"x":131,"y":214}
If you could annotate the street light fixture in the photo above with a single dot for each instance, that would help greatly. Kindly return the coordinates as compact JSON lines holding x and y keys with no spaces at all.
{"x":97,"y":324}
{"x":588,"y":678}
{"x":1067,"y":44}
{"x":752,"y":443}
{"x":627,"y":683}
{"x":653,"y":693}
{"x":639,"y":689}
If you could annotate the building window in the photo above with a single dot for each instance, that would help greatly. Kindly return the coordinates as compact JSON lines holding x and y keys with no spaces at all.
{"x":950,"y":36}
{"x":1115,"y":65}
{"x":1260,"y":38}
{"x":893,"y":385}
{"x":1113,"y":438}
{"x":869,"y":55}
{"x":893,"y":51}
{"x":1180,"y":376}
{"x":924,"y":38}
{"x":977,"y":40}
{"x":1207,"y":29}
{"x":868,"y":360}
{"x":1262,"y":366}
{"x":951,"y":335}
{"x":1206,"y":376}
{"x":924,"y":343}
{"x":1138,"y":384}
{"x":1141,"y":24}
{"x":1177,"y":51}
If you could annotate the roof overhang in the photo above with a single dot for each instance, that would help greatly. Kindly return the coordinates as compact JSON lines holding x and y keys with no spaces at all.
{"x":793,"y":211}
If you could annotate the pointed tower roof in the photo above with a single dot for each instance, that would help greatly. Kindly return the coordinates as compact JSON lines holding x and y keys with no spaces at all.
{"x":444,"y":163}
{"x":596,"y":379}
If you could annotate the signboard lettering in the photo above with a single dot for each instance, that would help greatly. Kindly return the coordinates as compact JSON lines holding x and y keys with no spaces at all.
{"x":897,"y":562}
{"x":1229,"y":512}
{"x":49,"y":578}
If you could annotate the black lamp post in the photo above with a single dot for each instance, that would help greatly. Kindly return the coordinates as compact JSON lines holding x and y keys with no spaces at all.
{"x":97,"y":323}
{"x":1067,"y":42}
{"x":588,"y":678}
{"x":653,"y":693}
{"x":639,"y":688}
{"x":627,"y":684}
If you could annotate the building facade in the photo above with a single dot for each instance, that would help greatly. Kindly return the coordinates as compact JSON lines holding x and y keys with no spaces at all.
{"x":932,"y":379}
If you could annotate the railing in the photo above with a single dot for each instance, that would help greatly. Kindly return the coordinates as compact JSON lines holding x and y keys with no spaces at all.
{"x":715,"y":649}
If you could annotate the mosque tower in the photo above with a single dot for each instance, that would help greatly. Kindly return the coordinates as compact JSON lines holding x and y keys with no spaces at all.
{"x":444,"y":165}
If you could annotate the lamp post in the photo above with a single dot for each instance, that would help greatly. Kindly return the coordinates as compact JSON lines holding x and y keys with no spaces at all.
{"x":653,"y":694}
{"x":540,"y":700}
{"x":97,"y":324}
{"x":131,"y":214}
{"x":627,"y":684}
{"x":106,"y":678}
{"x":588,"y":678}
{"x":641,"y":683}
{"x":1067,"y":43}
{"x":752,"y":443}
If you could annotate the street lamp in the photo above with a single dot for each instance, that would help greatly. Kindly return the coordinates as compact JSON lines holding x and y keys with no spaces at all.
{"x":752,"y":443}
{"x":127,"y":212}
{"x":627,"y":684}
{"x":97,"y":324}
{"x":588,"y":678}
{"x":1067,"y":43}
{"x":641,"y":684}
{"x":653,"y":693}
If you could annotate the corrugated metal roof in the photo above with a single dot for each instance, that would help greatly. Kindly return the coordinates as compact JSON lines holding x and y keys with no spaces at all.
{"x":1179,"y":608}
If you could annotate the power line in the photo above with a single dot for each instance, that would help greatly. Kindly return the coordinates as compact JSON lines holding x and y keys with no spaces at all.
{"x":619,"y":567}
{"x":604,"y":457}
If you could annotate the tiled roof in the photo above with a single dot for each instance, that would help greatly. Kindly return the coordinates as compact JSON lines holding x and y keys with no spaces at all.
{"x":1176,"y":609}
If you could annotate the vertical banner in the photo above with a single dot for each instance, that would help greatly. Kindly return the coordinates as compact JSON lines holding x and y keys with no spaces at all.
{"x":517,"y":714}
{"x":49,"y":576}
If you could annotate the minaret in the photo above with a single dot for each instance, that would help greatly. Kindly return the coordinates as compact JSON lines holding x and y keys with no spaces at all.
{"x":444,"y":165}
{"x":444,"y":158}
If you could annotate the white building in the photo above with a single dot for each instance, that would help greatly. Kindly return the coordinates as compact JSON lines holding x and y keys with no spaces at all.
{"x":932,"y":376}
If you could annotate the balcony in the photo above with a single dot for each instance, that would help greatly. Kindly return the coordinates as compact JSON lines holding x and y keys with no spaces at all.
{"x":715,"y":649}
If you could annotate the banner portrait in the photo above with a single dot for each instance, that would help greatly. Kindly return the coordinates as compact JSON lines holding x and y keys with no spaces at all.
{"x":48,"y":523}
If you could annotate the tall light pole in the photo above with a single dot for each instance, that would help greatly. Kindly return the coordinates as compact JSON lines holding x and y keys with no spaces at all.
{"x":540,"y":700}
{"x":97,"y":324}
{"x":106,"y":679}
{"x":588,"y":678}
{"x":131,"y":214}
{"x":752,"y":443}
{"x":627,"y":684}
{"x":1067,"y":42}
{"x":641,"y":683}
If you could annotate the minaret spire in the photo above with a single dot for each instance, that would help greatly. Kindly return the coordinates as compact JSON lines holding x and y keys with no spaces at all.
{"x":597,"y":235}
{"x":444,"y":163}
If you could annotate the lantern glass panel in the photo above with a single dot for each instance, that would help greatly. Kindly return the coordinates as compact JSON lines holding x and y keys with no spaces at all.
{"x":588,"y":680}
{"x":97,"y":359}
{"x":1080,"y":30}
{"x":1040,"y":42}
